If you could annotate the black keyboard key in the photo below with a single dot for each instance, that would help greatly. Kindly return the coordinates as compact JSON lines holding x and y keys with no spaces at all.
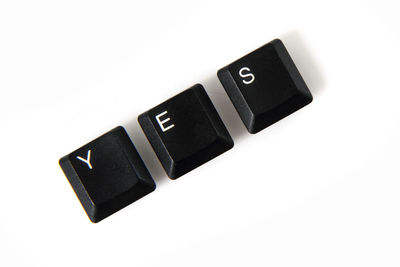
{"x":265,"y":86}
{"x":107,"y":174}
{"x":185,"y":131}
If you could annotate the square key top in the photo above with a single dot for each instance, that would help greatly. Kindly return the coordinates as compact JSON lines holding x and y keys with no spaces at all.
{"x":107,"y":174}
{"x":185,"y":131}
{"x":265,"y":86}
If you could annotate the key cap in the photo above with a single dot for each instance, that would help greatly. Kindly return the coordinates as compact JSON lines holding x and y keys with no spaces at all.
{"x":265,"y":86}
{"x":185,"y":131}
{"x":107,"y":174}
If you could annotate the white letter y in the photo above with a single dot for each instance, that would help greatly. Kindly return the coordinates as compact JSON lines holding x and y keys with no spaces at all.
{"x":87,"y":161}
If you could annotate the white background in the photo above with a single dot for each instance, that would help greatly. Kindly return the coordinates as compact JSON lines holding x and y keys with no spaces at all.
{"x":319,"y":188}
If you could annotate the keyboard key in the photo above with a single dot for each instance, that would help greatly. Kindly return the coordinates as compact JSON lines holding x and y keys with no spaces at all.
{"x":265,"y":86}
{"x":185,"y":131}
{"x":107,"y":174}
